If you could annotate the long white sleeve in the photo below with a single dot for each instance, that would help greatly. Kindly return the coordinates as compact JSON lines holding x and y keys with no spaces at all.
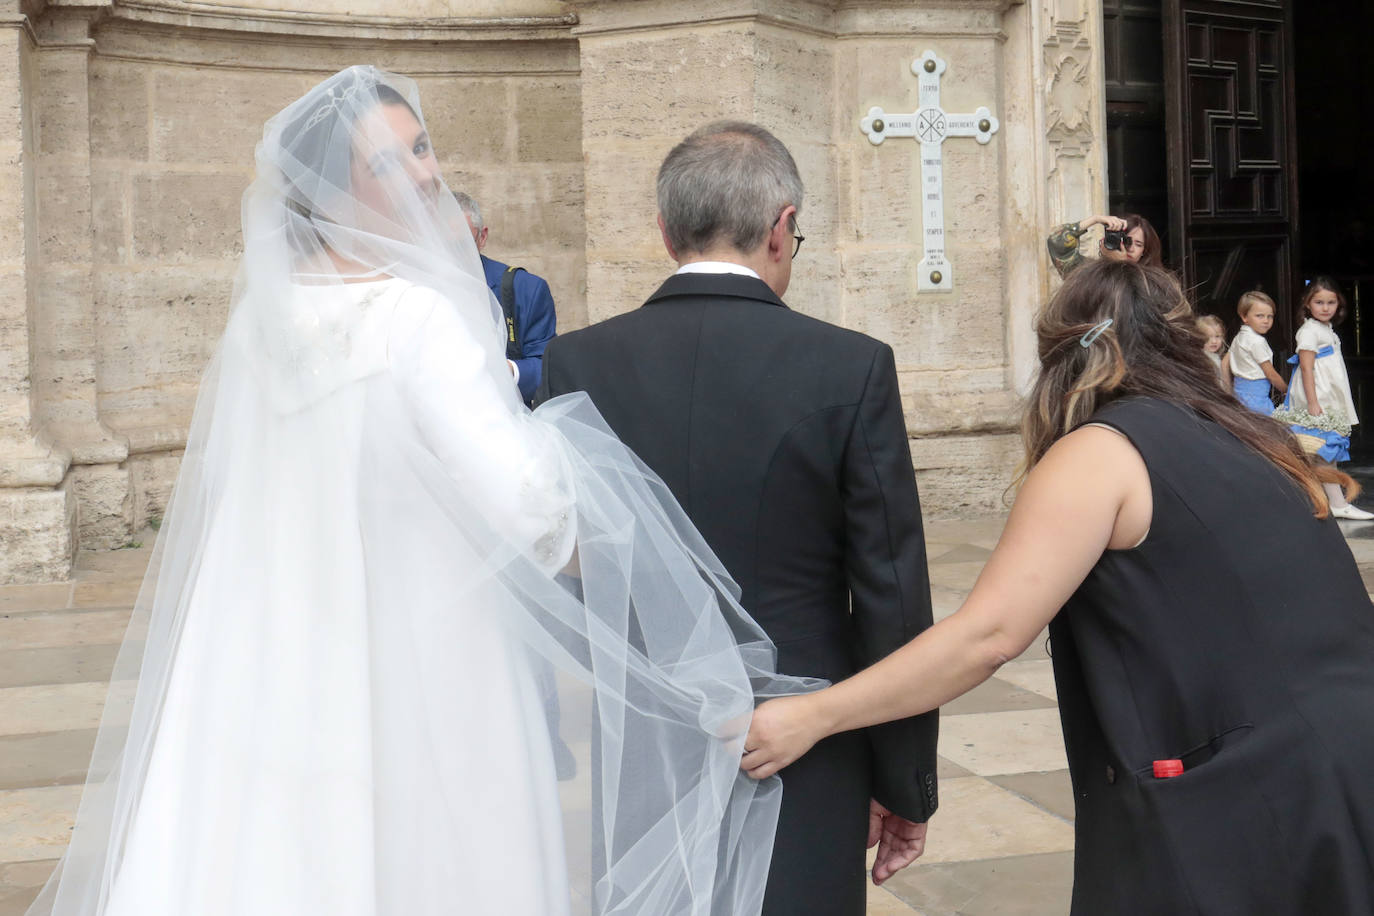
{"x":468,"y":412}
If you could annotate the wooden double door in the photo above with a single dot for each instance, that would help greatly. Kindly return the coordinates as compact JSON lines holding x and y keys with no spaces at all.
{"x":1219,"y":112}
{"x":1232,"y":153}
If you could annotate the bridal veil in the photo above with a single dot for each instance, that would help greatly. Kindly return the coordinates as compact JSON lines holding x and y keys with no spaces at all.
{"x":384,"y":589}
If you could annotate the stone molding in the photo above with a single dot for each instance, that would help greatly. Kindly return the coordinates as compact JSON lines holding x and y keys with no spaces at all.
{"x":932,"y":19}
{"x":325,"y":25}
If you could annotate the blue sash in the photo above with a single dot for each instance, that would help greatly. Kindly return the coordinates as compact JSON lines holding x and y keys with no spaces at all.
{"x":1337,"y":447}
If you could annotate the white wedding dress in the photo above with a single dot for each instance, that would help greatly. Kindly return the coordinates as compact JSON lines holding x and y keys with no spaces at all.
{"x":336,"y":695}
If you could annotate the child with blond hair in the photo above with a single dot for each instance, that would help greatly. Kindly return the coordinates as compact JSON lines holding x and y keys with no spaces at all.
{"x":1251,"y":358}
{"x":1213,"y":341}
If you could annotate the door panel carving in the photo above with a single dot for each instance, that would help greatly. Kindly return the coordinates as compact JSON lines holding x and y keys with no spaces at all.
{"x":1232,"y":185}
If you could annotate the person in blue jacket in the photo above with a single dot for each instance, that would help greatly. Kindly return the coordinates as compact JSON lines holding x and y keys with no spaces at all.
{"x":530,"y":319}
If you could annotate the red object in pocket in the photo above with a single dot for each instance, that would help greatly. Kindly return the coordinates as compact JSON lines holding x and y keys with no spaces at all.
{"x":1165,"y":769}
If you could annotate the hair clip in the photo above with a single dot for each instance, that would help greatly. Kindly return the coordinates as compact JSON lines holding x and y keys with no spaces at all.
{"x":1095,"y":332}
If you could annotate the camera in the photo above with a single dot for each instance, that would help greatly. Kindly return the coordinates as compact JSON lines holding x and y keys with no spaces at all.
{"x":1111,"y":240}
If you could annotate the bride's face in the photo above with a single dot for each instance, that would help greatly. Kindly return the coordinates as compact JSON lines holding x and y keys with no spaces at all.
{"x":393,"y":150}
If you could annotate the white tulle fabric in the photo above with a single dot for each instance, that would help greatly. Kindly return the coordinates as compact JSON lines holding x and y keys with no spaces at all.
{"x":383,"y":587}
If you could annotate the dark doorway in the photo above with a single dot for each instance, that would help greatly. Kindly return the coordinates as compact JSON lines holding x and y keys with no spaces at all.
{"x":1334,"y":108}
{"x":1137,"y":180}
{"x":1233,"y":183}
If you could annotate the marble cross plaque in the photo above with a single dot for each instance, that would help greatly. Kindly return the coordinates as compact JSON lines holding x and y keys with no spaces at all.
{"x":930,"y":126}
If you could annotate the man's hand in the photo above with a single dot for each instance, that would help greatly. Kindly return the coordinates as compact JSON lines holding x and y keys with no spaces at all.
{"x":900,"y":842}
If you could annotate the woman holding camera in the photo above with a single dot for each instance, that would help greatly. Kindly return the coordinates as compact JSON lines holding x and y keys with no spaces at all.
{"x":1128,"y":238}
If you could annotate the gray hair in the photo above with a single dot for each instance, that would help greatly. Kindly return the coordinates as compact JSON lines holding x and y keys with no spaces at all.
{"x":728,"y":181}
{"x":471,"y":208}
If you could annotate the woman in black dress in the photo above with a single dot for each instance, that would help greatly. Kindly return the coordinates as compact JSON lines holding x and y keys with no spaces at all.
{"x":1202,"y":608}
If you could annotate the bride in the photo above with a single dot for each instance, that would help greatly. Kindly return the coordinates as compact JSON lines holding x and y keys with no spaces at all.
{"x":327,"y":701}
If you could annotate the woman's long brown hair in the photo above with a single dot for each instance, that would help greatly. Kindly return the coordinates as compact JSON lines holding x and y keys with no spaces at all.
{"x":1151,"y":349}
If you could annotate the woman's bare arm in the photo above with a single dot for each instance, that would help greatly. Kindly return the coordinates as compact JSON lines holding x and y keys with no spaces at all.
{"x":1090,"y":492}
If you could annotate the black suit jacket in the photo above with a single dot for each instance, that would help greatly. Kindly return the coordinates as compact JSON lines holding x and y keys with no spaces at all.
{"x":783,"y":439}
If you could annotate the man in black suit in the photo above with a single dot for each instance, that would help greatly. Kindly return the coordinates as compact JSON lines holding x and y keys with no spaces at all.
{"x":783,"y":438}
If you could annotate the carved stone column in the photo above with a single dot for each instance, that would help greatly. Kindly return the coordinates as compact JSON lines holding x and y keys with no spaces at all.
{"x":37,"y":512}
{"x":64,"y":306}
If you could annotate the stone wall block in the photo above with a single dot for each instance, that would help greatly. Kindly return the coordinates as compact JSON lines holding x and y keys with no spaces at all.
{"x":638,"y":90}
{"x":786,"y":66}
{"x":960,"y":476}
{"x":467,"y":118}
{"x":151,"y":479}
{"x":111,"y":192}
{"x":181,"y":216}
{"x":616,"y":285}
{"x":548,"y":122}
{"x":63,"y":120}
{"x":12,"y":231}
{"x":119,"y":109}
{"x":973,"y":201}
{"x":620,"y":185}
{"x":37,"y":534}
{"x":960,"y":329}
{"x":526,"y":207}
{"x":216,"y":115}
{"x":64,"y":211}
{"x":157,"y":330}
{"x":106,"y":516}
{"x":14,"y":358}
{"x":882,"y":187}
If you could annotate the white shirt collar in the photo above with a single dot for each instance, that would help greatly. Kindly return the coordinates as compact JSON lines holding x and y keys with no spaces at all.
{"x":717,"y":267}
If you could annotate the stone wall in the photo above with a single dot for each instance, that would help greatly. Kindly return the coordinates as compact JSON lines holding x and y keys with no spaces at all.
{"x":809,"y":71}
{"x":130,"y":147}
{"x":131,"y":138}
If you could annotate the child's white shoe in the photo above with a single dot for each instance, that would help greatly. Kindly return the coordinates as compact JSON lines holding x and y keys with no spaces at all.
{"x":1351,"y":513}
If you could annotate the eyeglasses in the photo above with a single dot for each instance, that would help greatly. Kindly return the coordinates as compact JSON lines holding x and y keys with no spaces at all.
{"x":797,"y":237}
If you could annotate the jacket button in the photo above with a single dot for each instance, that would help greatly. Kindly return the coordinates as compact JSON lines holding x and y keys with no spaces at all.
{"x":1111,"y":775}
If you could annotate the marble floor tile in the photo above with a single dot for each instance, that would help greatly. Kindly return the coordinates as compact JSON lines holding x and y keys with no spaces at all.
{"x":36,"y":823}
{"x":995,"y":743}
{"x":1039,"y":646}
{"x":944,"y":769}
{"x":945,"y":601}
{"x":882,"y":902}
{"x":51,"y":708}
{"x":53,"y":596}
{"x":958,"y":576}
{"x":1031,"y":885}
{"x":1033,"y":674}
{"x":115,"y":565}
{"x":20,"y":882}
{"x":1052,"y":791}
{"x":963,"y":553}
{"x":54,"y":629}
{"x":105,"y":594}
{"x":982,"y":531}
{"x":62,"y":665}
{"x":980,"y":820}
{"x":994,"y":695}
{"x":55,"y":759}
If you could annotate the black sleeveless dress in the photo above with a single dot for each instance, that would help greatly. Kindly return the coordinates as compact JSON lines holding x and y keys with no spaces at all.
{"x":1239,"y":638}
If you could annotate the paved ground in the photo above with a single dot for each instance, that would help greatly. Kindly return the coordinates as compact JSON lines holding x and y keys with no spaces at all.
{"x":1001,"y":843}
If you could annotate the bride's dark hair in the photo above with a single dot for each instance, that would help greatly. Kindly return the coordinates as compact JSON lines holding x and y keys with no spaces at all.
{"x":1152,"y":348}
